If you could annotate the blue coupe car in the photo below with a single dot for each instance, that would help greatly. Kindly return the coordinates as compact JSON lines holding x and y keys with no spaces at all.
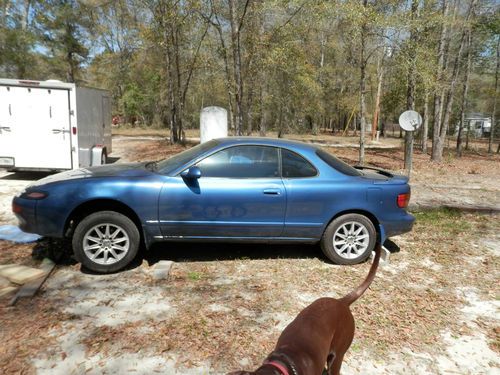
{"x":230,"y":189}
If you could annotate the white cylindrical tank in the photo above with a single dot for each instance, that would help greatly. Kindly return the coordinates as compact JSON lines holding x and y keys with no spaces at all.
{"x":213,"y":123}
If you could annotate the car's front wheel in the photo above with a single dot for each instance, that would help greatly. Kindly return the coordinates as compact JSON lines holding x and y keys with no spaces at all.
{"x":106,"y":241}
{"x":349,"y":239}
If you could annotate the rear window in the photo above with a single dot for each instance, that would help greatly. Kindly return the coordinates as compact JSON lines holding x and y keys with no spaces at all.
{"x":337,"y":164}
{"x":295,"y":166}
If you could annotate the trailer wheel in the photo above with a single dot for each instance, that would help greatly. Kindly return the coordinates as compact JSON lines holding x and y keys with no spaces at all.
{"x":104,"y":157}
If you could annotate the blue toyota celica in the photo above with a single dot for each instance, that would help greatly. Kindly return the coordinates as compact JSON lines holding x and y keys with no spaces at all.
{"x":230,"y":189}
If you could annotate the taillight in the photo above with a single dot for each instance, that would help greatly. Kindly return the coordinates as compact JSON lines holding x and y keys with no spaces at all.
{"x":403,"y":200}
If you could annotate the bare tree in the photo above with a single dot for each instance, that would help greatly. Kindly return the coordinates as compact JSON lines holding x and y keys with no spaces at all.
{"x":440,"y":133}
{"x":465,"y":91}
{"x":493,"y":112}
{"x":380,"y":78}
{"x":412,"y":83}
{"x":236,"y":26}
{"x":178,"y":67}
{"x":362,"y":87}
{"x":425,"y":125}
{"x":439,"y":81}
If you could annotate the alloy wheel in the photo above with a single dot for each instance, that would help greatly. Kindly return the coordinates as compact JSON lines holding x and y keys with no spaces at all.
{"x":351,"y":240}
{"x":106,"y":243}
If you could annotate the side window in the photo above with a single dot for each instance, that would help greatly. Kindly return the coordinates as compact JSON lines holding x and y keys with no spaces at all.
{"x":242,"y":162}
{"x":294,"y":165}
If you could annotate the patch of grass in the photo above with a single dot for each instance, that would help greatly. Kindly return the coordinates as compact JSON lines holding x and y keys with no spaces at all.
{"x":195,"y":276}
{"x":448,"y":220}
{"x":435,"y":216}
{"x":355,"y":347}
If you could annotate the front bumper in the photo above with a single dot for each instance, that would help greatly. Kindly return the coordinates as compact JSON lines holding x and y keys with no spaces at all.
{"x":25,"y":211}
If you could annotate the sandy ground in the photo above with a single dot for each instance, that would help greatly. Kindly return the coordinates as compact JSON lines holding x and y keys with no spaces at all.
{"x":129,"y":323}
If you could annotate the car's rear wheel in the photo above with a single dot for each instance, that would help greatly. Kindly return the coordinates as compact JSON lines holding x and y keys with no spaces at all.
{"x":349,"y":239}
{"x":106,"y":241}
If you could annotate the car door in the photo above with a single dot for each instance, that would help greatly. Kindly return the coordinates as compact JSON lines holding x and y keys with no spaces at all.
{"x":307,"y":197}
{"x":239,"y":195}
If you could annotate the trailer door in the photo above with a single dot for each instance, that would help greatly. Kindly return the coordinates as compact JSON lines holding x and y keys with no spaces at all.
{"x":42,"y":128}
{"x":6,"y":125}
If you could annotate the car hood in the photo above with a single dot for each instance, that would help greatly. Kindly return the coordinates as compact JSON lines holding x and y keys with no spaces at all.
{"x":109,"y":170}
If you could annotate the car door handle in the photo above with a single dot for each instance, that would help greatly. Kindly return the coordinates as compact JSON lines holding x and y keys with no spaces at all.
{"x":272,"y":191}
{"x":57,"y":131}
{"x":6,"y":128}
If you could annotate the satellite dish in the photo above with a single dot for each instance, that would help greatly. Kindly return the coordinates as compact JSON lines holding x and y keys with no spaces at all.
{"x":410,"y":121}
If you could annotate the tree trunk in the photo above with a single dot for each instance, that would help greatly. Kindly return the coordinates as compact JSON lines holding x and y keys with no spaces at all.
{"x":454,"y":78}
{"x":237,"y":77}
{"x":425,"y":126}
{"x":171,"y":91}
{"x":493,"y":113}
{"x":249,"y":107}
{"x":464,"y":94}
{"x":377,"y":100}
{"x":410,"y":93}
{"x":467,"y":136}
{"x":362,"y":89}
{"x":437,"y":151}
{"x":25,"y":15}
{"x":262,"y":122}
{"x":179,"y":97}
{"x":225,"y":58}
{"x":280,"y":121}
{"x":439,"y":80}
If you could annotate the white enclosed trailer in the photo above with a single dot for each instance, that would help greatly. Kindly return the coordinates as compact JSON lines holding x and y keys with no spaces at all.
{"x":51,"y":125}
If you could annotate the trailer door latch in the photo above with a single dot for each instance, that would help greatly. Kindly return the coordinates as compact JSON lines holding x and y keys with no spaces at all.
{"x":57,"y":131}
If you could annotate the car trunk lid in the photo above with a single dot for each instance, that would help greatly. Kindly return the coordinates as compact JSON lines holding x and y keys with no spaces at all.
{"x":381,"y":176}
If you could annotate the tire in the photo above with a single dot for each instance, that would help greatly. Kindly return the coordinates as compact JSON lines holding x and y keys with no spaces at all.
{"x":104,"y":157}
{"x":359,"y":233}
{"x":106,"y":241}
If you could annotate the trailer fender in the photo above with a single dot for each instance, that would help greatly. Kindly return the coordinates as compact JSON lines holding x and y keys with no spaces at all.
{"x":98,"y":156}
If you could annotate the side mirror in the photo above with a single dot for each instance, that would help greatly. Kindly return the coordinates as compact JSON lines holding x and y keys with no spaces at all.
{"x":192,"y":173}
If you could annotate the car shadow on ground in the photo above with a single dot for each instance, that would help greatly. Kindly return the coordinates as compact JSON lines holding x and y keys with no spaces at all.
{"x":60,"y":252}
{"x":181,"y":252}
{"x":57,"y":250}
{"x":391,"y":246}
{"x":206,"y":252}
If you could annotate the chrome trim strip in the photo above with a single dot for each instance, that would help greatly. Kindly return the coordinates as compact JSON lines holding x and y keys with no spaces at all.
{"x":217,"y":222}
{"x":212,"y":222}
{"x":238,"y":238}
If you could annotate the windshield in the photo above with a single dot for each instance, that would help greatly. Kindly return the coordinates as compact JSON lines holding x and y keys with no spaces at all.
{"x":337,"y":164}
{"x":169,"y":165}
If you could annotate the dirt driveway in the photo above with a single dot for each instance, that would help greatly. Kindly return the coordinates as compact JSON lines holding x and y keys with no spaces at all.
{"x":434,"y":309}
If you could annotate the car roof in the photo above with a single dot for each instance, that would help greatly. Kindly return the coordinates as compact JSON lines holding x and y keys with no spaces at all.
{"x":276,"y":142}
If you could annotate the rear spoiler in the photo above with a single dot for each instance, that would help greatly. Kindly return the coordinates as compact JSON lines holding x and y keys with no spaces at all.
{"x":379,"y":170}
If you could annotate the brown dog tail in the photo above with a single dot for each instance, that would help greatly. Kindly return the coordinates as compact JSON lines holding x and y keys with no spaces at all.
{"x":358,"y":292}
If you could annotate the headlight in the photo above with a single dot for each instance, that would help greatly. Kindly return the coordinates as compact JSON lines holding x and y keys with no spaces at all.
{"x":36,"y":195}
